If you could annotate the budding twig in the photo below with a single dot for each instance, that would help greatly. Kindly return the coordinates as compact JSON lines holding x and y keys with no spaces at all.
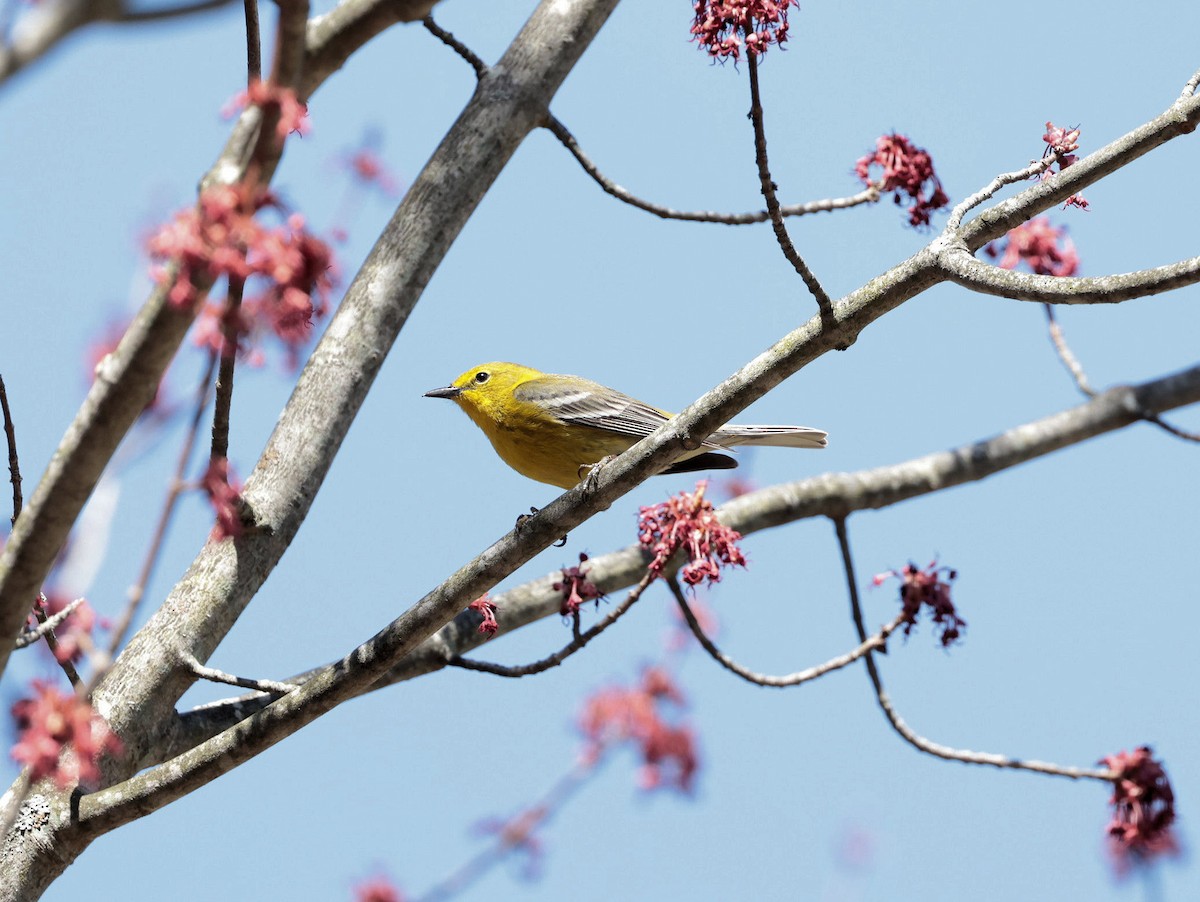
{"x":920,"y":743}
{"x":138,"y":590}
{"x":14,"y":465}
{"x":877,"y":641}
{"x":824,"y":304}
{"x":1075,"y":368}
{"x":578,"y":642}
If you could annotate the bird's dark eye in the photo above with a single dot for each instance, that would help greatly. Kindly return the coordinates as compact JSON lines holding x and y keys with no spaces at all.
{"x":482,"y":376}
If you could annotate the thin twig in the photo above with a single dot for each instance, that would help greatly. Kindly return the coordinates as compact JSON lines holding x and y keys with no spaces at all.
{"x":211,"y":674}
{"x":39,"y":611}
{"x":906,"y":732}
{"x":224,"y":394}
{"x":1189,"y":89}
{"x":138,"y":590}
{"x":512,"y":835}
{"x":1070,"y":361}
{"x":568,"y":140}
{"x":578,"y":642}
{"x":824,"y":304}
{"x":877,"y":641}
{"x":1037,"y":167}
{"x":253,"y":43}
{"x":480,"y":67}
{"x":44,"y":627}
{"x":14,"y":466}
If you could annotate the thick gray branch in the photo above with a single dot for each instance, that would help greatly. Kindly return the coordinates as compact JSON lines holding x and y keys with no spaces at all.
{"x":138,"y":695}
{"x":964,"y":269}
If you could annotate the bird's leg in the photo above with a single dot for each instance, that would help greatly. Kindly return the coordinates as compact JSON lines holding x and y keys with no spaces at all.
{"x":590,"y":473}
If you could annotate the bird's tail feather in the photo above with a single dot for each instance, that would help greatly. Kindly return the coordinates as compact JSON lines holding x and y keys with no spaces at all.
{"x":776,"y":436}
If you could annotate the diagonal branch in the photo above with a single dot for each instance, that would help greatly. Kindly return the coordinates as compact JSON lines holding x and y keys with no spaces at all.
{"x":147,"y":680}
{"x":1181,"y":118}
{"x":833,"y":494}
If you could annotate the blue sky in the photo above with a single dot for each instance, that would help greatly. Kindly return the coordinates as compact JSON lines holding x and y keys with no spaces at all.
{"x":1076,"y":571}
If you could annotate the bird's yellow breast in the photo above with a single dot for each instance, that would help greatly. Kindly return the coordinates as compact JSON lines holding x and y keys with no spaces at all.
{"x":541,"y":447}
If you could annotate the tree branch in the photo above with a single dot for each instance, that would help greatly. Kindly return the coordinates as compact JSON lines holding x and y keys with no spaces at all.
{"x":333,"y":37}
{"x":579,"y":641}
{"x":824,"y":304}
{"x":877,"y":642}
{"x":833,"y":495}
{"x":562,"y":133}
{"x":920,"y":743}
{"x":965,"y":270}
{"x":1181,"y":118}
{"x":139,"y":693}
{"x":471,"y":57}
{"x":14,"y":463}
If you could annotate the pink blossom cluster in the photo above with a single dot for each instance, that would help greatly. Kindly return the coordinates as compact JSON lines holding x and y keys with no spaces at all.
{"x":377,"y":889}
{"x":617,"y":714}
{"x":48,"y":724}
{"x":927,"y":589}
{"x":1061,"y":142}
{"x":724,"y":27}
{"x":485,"y":608}
{"x":225,"y":495}
{"x":1043,"y":249}
{"x":221,"y":237}
{"x":688,"y":521}
{"x":1143,"y":804}
{"x":273,"y":99}
{"x":907,"y":170}
{"x":576,"y":588}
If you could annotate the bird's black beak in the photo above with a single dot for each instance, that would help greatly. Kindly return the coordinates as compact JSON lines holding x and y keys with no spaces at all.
{"x":448,"y":392}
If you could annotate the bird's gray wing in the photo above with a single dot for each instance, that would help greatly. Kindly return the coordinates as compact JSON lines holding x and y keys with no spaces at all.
{"x":587,"y":403}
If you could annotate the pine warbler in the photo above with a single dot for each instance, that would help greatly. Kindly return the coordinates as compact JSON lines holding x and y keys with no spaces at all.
{"x":555,"y":429}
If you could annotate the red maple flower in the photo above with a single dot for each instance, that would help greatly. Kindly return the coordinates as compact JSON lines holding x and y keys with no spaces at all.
{"x":576,"y":588}
{"x":1143,"y":809}
{"x":225,"y":497}
{"x":221,"y":237}
{"x":1061,"y":141}
{"x":51,"y":722}
{"x":926,"y":588}
{"x":368,"y":168}
{"x":1044,"y":249}
{"x":377,"y":889}
{"x":271,"y":98}
{"x":906,"y":170}
{"x":486,"y":608}
{"x":688,"y":521}
{"x":518,"y":834}
{"x":616,"y":715}
{"x":723,"y":27}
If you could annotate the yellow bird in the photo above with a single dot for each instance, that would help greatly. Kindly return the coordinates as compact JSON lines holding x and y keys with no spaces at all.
{"x":555,"y":429}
